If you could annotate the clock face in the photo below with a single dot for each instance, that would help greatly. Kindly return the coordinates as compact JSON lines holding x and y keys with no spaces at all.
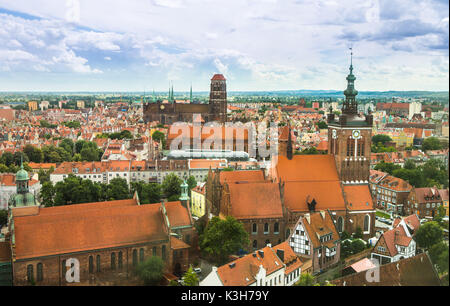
{"x":334,"y":134}
{"x":356,"y":134}
{"x":162,"y":106}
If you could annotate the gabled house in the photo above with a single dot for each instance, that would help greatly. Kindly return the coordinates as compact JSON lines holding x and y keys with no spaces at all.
{"x":397,"y":243}
{"x":315,"y":236}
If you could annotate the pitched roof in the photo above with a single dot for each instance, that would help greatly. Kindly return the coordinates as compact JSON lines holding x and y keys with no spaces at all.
{"x":291,"y":260}
{"x":176,"y":244}
{"x":218,"y":76}
{"x":362,"y":265}
{"x":242,"y":271}
{"x":321,"y":223}
{"x":178,"y":214}
{"x":241,"y":176}
{"x":307,"y":168}
{"x":296,"y":194}
{"x":358,"y":197}
{"x":412,"y":271}
{"x":75,"y":228}
{"x":255,"y":200}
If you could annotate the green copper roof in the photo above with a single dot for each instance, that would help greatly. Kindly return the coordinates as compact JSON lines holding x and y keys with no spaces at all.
{"x":22,"y":175}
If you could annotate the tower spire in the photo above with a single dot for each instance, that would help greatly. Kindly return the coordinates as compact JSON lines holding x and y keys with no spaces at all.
{"x":190,"y":95}
{"x":350,"y":104}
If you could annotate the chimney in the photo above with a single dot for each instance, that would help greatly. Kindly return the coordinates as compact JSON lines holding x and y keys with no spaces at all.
{"x":280,"y":254}
{"x":232,"y":265}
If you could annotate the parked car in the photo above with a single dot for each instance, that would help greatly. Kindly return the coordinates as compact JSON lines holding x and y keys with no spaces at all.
{"x":198,"y":270}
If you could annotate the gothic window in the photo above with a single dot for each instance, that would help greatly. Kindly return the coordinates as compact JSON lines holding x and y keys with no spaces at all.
{"x":141,"y":255}
{"x":340,"y":224}
{"x":255,"y":244}
{"x":188,"y":239}
{"x":276,"y":228}
{"x":120,"y":261}
{"x":266,"y":228}
{"x":40,"y":275}
{"x":98,"y":263}
{"x":254,"y":228}
{"x":91,"y":264}
{"x":361,"y":147}
{"x":154,"y":251}
{"x":113,"y":261}
{"x":30,"y":277}
{"x":366,"y":223}
{"x":135,"y":258}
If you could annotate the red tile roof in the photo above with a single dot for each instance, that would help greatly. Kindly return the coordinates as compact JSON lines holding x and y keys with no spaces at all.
{"x":358,"y":197}
{"x":307,"y":168}
{"x":218,"y":77}
{"x":70,"y":228}
{"x":241,"y":176}
{"x":178,"y":214}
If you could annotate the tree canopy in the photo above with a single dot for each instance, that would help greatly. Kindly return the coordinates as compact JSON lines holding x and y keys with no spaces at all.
{"x":431,"y":143}
{"x":223,"y":237}
{"x":429,"y":234}
{"x":150,"y":271}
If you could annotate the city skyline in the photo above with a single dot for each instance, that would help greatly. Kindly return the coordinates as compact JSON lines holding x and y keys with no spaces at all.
{"x":259,"y":46}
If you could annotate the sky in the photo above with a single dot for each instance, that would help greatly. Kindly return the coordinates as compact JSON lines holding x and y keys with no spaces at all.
{"x":141,"y":45}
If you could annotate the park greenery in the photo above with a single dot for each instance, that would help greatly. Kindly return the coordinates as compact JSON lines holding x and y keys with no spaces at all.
{"x":124,"y":134}
{"x":432,"y":173}
{"x":190,"y":278}
{"x":431,"y":143}
{"x":75,"y":190}
{"x":379,"y":144}
{"x":223,"y":237}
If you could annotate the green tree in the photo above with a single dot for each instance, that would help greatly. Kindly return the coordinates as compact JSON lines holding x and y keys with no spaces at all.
{"x":79,"y":145}
{"x":409,"y":164}
{"x":68,"y":145}
{"x":358,"y":233}
{"x":306,"y":279}
{"x":19,"y":157}
{"x":190,"y":278}
{"x":386,"y":167}
{"x":439,"y":256}
{"x":118,"y":189}
{"x":33,"y":154}
{"x":345,"y":235}
{"x":222,"y":238}
{"x":429,"y":234}
{"x":47,"y":194}
{"x":431,"y":143}
{"x":380,"y":138}
{"x":3,"y":168}
{"x":171,"y":185}
{"x":7,"y":158}
{"x":150,"y":271}
{"x":358,"y":246}
{"x":159,"y":137}
{"x":192,"y":183}
{"x":322,"y":125}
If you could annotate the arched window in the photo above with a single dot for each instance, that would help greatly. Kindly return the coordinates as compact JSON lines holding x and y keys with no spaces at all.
{"x":120,"y":261}
{"x":255,"y":244}
{"x":361,"y":147}
{"x":340,"y":224}
{"x":91,"y":264}
{"x":366,"y":223}
{"x":254,"y":228}
{"x":40,"y":273}
{"x":188,"y":239}
{"x":113,"y":261}
{"x":141,"y":255}
{"x":266,"y":228}
{"x":276,"y":228}
{"x":30,"y":274}
{"x":154,"y":251}
{"x":135,"y":258}
{"x":98,"y":263}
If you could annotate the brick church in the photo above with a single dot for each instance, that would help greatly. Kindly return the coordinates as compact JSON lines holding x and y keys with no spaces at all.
{"x":270,"y":205}
{"x":169,"y":113}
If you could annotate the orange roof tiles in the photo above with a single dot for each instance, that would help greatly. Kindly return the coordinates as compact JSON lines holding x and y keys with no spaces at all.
{"x":255,"y":200}
{"x":358,"y":197}
{"x":178,"y":214}
{"x":241,"y":176}
{"x":176,"y":244}
{"x":74,"y":230}
{"x":307,"y":168}
{"x":328,"y":195}
{"x":207,"y":163}
{"x":321,"y":225}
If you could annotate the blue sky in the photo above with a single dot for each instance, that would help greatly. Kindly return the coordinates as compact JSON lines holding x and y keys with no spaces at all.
{"x":135,"y":45}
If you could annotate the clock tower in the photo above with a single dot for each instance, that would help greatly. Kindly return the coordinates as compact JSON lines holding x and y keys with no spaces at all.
{"x":350,"y":136}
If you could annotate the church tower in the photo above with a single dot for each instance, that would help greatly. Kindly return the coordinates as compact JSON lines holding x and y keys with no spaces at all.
{"x":218,"y":98}
{"x":350,"y":136}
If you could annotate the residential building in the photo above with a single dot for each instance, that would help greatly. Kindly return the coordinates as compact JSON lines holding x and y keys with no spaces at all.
{"x":315,"y":236}
{"x":198,"y":200}
{"x":269,"y":266}
{"x":397,"y":243}
{"x":424,"y":202}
